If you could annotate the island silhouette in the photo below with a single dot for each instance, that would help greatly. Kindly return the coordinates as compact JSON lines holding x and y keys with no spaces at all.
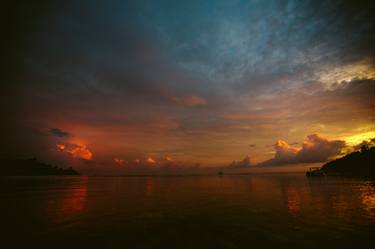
{"x":32,"y":167}
{"x":360,"y":163}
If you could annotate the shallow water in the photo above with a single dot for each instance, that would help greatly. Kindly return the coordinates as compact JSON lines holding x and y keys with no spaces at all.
{"x":230,"y":211}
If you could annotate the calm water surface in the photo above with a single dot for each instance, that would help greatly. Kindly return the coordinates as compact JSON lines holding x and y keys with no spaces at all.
{"x":241,"y":211}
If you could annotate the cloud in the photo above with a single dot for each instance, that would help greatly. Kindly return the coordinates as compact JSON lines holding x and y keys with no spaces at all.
{"x":314,"y":149}
{"x":245,"y":163}
{"x":190,"y":101}
{"x":284,"y":152}
{"x":319,"y":149}
{"x":365,"y":144}
{"x":119,"y":161}
{"x":59,"y":133}
{"x":60,"y":147}
{"x":151,"y":161}
{"x":76,"y":150}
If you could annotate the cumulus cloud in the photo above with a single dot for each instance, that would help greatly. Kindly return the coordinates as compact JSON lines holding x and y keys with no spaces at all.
{"x":75,"y":150}
{"x":284,"y":152}
{"x":314,"y":149}
{"x":318,"y":149}
{"x":151,"y":161}
{"x":59,"y":133}
{"x":245,"y":163}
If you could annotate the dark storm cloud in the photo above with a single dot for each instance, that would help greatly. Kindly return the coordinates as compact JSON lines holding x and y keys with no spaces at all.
{"x":59,"y":133}
{"x":99,"y":56}
{"x":130,"y":50}
{"x":109,"y":49}
{"x":261,"y":41}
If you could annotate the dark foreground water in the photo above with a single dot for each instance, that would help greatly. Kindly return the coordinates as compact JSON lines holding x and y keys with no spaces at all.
{"x":243,"y":211}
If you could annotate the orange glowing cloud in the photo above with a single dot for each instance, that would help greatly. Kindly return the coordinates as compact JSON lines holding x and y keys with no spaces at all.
{"x":150,"y":161}
{"x":81,"y":152}
{"x":284,"y":151}
{"x":119,"y":161}
{"x":314,"y":149}
{"x":76,"y":150}
{"x":60,"y":147}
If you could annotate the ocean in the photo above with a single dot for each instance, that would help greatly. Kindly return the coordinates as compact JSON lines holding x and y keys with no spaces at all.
{"x":208,"y":211}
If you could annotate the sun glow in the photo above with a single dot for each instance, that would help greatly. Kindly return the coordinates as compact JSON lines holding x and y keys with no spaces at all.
{"x":357,"y":139}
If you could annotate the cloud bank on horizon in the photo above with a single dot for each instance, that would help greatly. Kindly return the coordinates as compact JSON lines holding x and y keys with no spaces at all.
{"x":314,"y":149}
{"x":196,"y":81}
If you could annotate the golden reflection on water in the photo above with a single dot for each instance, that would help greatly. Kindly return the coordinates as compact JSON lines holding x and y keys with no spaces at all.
{"x":69,"y":201}
{"x":298,"y":196}
{"x":340,"y":205}
{"x":149,"y":186}
{"x":268,"y":208}
{"x":293,"y":200}
{"x":367,"y":193}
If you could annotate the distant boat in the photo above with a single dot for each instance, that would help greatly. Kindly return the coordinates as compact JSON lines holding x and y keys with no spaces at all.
{"x":315,"y":171}
{"x":220,"y":173}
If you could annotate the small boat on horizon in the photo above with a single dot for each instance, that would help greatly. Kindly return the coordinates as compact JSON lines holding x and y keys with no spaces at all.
{"x":315,"y":171}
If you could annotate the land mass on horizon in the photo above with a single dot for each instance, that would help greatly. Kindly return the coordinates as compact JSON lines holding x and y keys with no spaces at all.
{"x":359,"y":163}
{"x":32,"y":167}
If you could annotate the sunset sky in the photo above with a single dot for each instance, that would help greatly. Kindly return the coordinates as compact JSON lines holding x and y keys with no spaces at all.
{"x":148,"y":84}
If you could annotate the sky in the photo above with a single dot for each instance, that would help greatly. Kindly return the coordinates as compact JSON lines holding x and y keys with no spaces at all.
{"x":111,"y":86}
